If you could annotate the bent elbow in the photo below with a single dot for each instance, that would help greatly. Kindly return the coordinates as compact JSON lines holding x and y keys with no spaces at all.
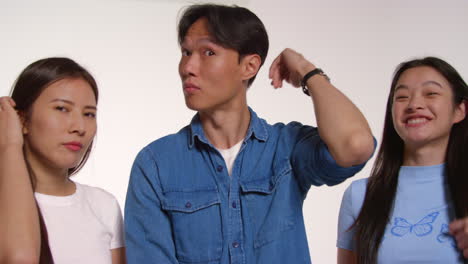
{"x":357,"y":150}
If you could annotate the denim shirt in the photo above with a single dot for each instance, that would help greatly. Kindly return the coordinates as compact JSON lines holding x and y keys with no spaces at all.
{"x":183,"y":207}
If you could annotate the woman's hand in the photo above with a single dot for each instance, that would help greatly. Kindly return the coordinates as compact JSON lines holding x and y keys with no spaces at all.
{"x":10,"y":124}
{"x":459,"y":230}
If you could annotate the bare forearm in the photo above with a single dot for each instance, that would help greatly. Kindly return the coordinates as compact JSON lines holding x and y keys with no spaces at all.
{"x":346,"y":256}
{"x":19,"y":221}
{"x":340,"y":123}
{"x":118,"y":255}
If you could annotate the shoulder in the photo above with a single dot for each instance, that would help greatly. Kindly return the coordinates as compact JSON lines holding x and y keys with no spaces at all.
{"x":167,"y":144}
{"x":358,"y":187}
{"x":98,"y":197}
{"x":104,"y":207}
{"x":293,"y":129}
{"x":293,"y":125}
{"x":351,"y":202}
{"x":101,"y":204}
{"x":355,"y":193}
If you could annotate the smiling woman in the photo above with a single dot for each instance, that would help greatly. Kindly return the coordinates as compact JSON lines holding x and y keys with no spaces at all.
{"x":45,"y":141}
{"x":415,"y":201}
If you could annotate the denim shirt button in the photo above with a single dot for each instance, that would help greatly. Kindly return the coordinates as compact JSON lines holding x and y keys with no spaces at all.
{"x":234,"y":205}
{"x":219,"y":168}
{"x":188,"y":205}
{"x":235,"y":245}
{"x":270,"y":187}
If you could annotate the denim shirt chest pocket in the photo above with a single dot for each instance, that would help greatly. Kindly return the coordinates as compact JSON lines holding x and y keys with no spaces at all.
{"x":273,"y":204}
{"x":196,"y":224}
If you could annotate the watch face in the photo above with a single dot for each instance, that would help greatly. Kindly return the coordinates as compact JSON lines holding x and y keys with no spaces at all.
{"x":305,"y":90}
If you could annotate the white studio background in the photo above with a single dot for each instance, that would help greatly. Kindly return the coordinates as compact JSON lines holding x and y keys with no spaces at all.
{"x":130,"y":46}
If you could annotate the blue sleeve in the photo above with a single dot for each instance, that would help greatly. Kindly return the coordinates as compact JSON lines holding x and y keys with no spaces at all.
{"x":314,"y":165}
{"x":148,"y":232}
{"x":345,"y":221}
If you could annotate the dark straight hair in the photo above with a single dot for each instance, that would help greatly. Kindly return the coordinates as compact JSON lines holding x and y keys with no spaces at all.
{"x":382,"y":184}
{"x":28,"y":87}
{"x":232,"y":27}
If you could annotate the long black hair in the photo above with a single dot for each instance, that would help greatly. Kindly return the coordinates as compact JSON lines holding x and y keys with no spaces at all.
{"x":382,"y":184}
{"x":28,"y":87}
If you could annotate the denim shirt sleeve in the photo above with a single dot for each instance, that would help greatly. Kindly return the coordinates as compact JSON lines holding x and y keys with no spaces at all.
{"x":312,"y":162}
{"x":147,"y":227}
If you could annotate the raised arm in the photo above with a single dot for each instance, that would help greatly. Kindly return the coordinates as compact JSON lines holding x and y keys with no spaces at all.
{"x":19,"y":221}
{"x":341,"y":125}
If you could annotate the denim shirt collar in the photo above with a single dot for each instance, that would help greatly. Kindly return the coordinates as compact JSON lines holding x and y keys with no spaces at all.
{"x":257,"y":129}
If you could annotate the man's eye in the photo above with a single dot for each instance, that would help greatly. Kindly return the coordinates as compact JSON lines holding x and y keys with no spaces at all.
{"x":185,"y":53}
{"x":209,"y":53}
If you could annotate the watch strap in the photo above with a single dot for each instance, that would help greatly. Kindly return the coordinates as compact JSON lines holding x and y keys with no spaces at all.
{"x":309,"y":75}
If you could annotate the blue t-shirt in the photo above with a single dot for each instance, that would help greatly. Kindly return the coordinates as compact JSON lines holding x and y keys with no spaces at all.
{"x":418,"y":227}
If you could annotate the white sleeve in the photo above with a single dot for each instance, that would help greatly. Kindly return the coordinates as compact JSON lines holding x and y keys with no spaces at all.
{"x":116,"y":226}
{"x":106,"y":208}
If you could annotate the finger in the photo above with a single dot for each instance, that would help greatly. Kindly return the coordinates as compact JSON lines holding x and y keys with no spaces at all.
{"x":458,"y":225}
{"x":274,"y":66}
{"x":274,"y":72}
{"x":5,"y":104}
{"x":2,"y":103}
{"x":277,"y":78}
{"x":12,"y":102}
{"x":462,"y":239}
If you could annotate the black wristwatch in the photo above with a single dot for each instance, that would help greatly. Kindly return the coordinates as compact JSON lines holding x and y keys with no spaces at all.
{"x":310,"y":74}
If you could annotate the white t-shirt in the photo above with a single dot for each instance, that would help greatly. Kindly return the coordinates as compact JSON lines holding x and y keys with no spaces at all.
{"x":82,"y":227}
{"x":230,"y":154}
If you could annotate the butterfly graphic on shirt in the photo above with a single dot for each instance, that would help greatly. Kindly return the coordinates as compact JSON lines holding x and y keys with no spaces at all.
{"x":401,"y":226}
{"x":445,"y":237}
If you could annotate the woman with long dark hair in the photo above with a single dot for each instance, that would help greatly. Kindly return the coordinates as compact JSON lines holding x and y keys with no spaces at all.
{"x":47,"y":129}
{"x":414,"y":206}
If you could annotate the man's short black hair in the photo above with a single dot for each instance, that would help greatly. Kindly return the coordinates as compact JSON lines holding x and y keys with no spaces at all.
{"x":232,"y":27}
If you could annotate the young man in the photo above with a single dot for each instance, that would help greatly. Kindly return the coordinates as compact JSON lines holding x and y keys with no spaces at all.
{"x":229,"y":188}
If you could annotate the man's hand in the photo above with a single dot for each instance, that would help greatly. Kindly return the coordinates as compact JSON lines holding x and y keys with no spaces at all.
{"x":289,"y":66}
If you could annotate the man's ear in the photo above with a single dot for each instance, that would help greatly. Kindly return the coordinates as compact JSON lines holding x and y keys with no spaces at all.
{"x":250,"y":65}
